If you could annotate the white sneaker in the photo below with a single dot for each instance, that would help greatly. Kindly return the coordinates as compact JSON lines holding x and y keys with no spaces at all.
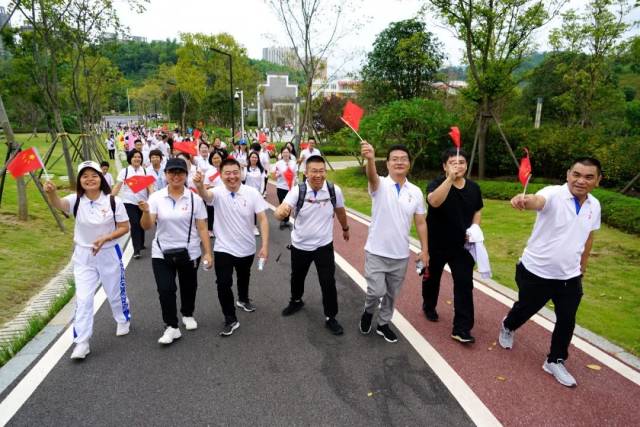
{"x":189,"y":323}
{"x":170,"y":334}
{"x":123,"y":329}
{"x":559,"y":372}
{"x":256,"y":231}
{"x":81,"y":350}
{"x":505,"y":338}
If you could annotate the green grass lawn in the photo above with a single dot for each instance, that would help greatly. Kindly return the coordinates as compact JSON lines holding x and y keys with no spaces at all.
{"x":31,"y":252}
{"x":611,"y":292}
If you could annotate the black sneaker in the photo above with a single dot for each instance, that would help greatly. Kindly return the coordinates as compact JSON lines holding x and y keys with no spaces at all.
{"x":431,"y":314}
{"x":333,"y":325}
{"x":229,"y":327}
{"x":136,"y":255}
{"x":292,"y":308}
{"x":386,"y":332}
{"x":463,"y":337}
{"x":246,"y":306}
{"x":365,"y":323}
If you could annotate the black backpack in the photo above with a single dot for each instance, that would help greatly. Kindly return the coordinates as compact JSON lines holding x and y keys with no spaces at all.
{"x":112,"y":202}
{"x":302,"y":193}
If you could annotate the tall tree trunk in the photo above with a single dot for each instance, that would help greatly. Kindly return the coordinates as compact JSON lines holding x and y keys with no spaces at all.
{"x":57,"y":119}
{"x":23,"y":212}
{"x":483,"y":129}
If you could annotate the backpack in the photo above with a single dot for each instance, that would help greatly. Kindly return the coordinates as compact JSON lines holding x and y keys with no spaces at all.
{"x":302,"y":193}
{"x":112,"y":202}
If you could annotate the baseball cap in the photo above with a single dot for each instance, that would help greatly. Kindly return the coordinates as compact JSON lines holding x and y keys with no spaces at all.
{"x":173,"y":164}
{"x":89,"y":164}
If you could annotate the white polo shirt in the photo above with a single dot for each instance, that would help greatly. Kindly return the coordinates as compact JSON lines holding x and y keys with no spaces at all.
{"x":313,"y":227}
{"x":304,"y":155}
{"x":95,"y":219}
{"x":212,"y":178}
{"x":125,"y":193}
{"x":392,"y":213}
{"x":265,"y":159}
{"x":254,"y":178}
{"x":161,"y":180}
{"x":559,"y":234}
{"x":233,"y":226}
{"x":172,"y":224}
{"x":109,"y":178}
{"x":280,"y":168}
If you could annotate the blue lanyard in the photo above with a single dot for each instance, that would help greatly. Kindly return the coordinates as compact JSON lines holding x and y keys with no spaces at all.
{"x":398,"y":188}
{"x":577,"y":203}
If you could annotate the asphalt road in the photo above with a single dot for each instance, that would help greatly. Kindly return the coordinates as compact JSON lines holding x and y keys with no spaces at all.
{"x":272,"y":371}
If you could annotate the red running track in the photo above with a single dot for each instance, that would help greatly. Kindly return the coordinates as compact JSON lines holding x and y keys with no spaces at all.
{"x":511,"y":383}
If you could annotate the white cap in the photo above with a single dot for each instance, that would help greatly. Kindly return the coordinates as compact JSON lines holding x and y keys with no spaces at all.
{"x":89,"y":164}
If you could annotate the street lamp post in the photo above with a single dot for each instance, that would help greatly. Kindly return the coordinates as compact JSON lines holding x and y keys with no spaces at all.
{"x":241,"y":95}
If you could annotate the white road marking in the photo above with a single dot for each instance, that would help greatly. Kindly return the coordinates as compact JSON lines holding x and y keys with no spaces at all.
{"x":25,"y":388}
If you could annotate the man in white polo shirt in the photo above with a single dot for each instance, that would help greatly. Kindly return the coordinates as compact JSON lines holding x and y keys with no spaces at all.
{"x":555,"y":259}
{"x":396,"y":202}
{"x":235,"y":205}
{"x":312,"y":237}
{"x":311,"y":150}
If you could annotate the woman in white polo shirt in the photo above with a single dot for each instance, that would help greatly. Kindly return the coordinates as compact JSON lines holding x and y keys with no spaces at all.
{"x":100,"y":220}
{"x":212,"y":179}
{"x":285,"y":171}
{"x":181,"y":226}
{"x":131,"y":199}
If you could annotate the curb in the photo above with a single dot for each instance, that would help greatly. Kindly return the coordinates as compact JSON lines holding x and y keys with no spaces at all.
{"x":581,"y":332}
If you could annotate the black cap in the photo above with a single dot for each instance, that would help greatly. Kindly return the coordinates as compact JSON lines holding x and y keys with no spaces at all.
{"x":175,"y":163}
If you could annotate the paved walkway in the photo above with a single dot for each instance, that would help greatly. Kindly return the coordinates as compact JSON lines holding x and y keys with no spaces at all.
{"x":291,"y":371}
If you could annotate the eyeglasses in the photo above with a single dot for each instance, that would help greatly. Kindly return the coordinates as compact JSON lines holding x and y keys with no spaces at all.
{"x":316,"y":171}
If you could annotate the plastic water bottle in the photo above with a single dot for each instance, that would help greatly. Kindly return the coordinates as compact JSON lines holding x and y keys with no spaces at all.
{"x":419,"y":267}
{"x":261,"y":264}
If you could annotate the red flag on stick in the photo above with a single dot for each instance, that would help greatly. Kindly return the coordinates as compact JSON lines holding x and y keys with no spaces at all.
{"x":455,"y":136}
{"x":138,"y":183}
{"x":288,"y":176}
{"x":185,"y":147}
{"x":304,"y":145}
{"x":271,"y":148}
{"x":262,"y":137}
{"x":24,"y":162}
{"x":524,"y":172}
{"x":196,"y":134}
{"x":351,"y":115}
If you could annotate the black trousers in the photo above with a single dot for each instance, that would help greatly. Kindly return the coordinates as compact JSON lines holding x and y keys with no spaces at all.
{"x":461,"y":263}
{"x":137,"y":233}
{"x":533,"y":294}
{"x":266,"y":181}
{"x":281,"y":195}
{"x":112,"y":154}
{"x":165,"y":275}
{"x":209,"y":217}
{"x":323,"y":258}
{"x":224,"y":265}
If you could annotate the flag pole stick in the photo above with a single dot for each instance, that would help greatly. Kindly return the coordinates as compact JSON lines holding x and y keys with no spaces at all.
{"x":351,"y":127}
{"x":44,"y":169}
{"x":526,"y":185}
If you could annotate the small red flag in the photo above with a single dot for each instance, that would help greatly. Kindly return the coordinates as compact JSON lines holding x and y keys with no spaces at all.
{"x":271,"y":147}
{"x":24,"y":162}
{"x":288,"y":176}
{"x":185,"y":147}
{"x":352,"y":114}
{"x":455,"y":135}
{"x":304,"y":145}
{"x":525,"y":169}
{"x":138,"y":183}
{"x":262,"y":137}
{"x":196,"y":134}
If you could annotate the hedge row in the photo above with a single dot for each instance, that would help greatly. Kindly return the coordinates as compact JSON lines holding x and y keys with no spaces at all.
{"x":619,"y":211}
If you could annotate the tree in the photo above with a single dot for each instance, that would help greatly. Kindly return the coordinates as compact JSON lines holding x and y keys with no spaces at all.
{"x":596,"y":32}
{"x":313,"y":28}
{"x":404,"y":61}
{"x":497,"y":36}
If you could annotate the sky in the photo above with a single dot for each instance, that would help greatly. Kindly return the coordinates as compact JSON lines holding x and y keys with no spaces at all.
{"x":254,"y":25}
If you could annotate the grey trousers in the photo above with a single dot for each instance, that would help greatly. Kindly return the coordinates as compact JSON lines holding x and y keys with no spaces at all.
{"x":384,"y":280}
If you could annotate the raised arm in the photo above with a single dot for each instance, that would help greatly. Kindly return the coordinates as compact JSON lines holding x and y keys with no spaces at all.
{"x":198,"y":181}
{"x":54,"y":199}
{"x":367,"y":152}
{"x":530,"y":202}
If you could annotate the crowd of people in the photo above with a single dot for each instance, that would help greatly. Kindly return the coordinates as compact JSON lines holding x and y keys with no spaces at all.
{"x":201,"y":192}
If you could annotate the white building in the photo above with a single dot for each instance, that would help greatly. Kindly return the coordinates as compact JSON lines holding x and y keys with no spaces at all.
{"x":344,"y":88}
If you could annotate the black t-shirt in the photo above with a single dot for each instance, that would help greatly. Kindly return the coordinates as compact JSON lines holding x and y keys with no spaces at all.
{"x":448,"y":223}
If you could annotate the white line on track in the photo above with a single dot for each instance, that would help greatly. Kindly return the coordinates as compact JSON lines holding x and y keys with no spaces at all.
{"x":36,"y":375}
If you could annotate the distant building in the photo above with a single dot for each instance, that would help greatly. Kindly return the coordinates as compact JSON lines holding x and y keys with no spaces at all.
{"x":278,"y":102}
{"x":452,"y":87}
{"x":343,"y":88}
{"x":4,"y":18}
{"x":114,"y":36}
{"x":286,"y":56}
